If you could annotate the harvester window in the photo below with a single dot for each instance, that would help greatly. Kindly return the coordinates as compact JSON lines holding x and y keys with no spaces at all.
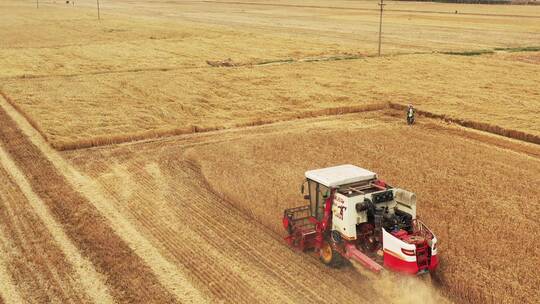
{"x":313,"y":189}
{"x":324,"y":193}
{"x":318,"y":194}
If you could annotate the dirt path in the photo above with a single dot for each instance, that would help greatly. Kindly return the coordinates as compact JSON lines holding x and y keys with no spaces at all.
{"x":374,"y":9}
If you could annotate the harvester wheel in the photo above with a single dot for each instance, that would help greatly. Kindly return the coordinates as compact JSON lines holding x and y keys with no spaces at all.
{"x":329,"y":256}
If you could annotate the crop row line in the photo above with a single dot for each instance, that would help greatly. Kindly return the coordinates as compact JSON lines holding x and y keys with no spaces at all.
{"x":129,"y":278}
{"x":24,"y":221}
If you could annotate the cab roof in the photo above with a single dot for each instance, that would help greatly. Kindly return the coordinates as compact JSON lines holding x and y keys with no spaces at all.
{"x":340,"y":175}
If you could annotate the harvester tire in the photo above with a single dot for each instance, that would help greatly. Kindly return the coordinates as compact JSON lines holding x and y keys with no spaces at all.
{"x":330,"y":257}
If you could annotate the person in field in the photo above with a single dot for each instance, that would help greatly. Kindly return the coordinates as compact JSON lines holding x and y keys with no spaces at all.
{"x":410,"y":114}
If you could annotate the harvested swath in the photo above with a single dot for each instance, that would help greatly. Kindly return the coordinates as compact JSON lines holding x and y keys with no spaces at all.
{"x":484,"y":138}
{"x":37,"y":264}
{"x":9,"y":288}
{"x":467,"y":190}
{"x":130,"y":280}
{"x":481,"y":126}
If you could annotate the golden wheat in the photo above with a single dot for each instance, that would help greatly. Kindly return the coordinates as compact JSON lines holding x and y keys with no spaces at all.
{"x":122,"y":79}
{"x":478,"y":200}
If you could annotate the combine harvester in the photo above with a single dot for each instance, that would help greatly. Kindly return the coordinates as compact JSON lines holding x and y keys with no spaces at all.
{"x":352,"y":215}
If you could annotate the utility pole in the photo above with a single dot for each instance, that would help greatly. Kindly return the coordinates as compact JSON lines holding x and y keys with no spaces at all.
{"x":37,"y":3}
{"x":98,"y":16}
{"x":380,"y":25}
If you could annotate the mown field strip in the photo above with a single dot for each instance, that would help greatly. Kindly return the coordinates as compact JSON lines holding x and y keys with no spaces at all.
{"x":168,"y":274}
{"x":108,"y":140}
{"x":99,"y":72}
{"x":229,"y":236}
{"x":90,"y":280}
{"x":8,"y":289}
{"x":138,"y":271}
{"x":226,"y":273}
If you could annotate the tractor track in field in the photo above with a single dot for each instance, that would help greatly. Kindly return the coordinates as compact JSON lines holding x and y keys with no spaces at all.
{"x":257,"y":255}
{"x":9,"y":290}
{"x":48,"y":261}
{"x":130,"y":278}
{"x":179,"y":243}
{"x":220,"y":236}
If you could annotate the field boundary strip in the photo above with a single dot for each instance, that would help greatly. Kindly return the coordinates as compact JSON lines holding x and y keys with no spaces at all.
{"x":275,"y":61}
{"x":90,"y":280}
{"x":104,"y":72}
{"x":135,"y":270}
{"x":345,"y":57}
{"x":107,"y":140}
{"x":101,"y":141}
{"x":480,"y":126}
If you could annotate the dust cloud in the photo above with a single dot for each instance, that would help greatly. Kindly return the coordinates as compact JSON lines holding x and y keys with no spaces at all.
{"x":403,"y":289}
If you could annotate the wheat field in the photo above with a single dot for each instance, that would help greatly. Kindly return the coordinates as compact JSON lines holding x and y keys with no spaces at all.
{"x":147,"y":157}
{"x":128,"y":78}
{"x":134,"y":105}
{"x":464,"y":187}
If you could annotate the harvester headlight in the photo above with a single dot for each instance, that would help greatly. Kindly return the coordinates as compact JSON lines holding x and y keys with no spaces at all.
{"x":409,"y":252}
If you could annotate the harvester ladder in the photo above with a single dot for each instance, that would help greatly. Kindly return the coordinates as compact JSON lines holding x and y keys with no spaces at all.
{"x":422,"y":258}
